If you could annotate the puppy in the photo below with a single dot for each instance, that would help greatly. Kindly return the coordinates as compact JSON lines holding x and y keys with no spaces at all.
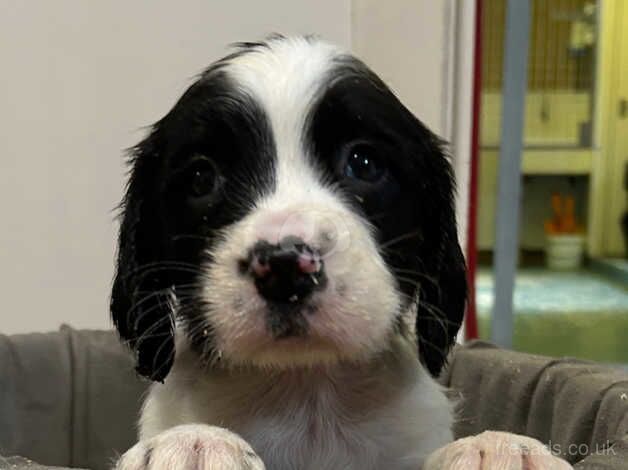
{"x":288,"y":270}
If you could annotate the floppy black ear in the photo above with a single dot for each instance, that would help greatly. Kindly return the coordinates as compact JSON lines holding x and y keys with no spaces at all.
{"x":141,"y":305}
{"x":442,"y":298}
{"x":441,"y":308}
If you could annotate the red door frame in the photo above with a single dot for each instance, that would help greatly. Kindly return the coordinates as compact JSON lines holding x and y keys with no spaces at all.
{"x":471,"y":323}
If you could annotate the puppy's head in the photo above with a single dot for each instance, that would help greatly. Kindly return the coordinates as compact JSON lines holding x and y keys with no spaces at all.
{"x":288,"y":211}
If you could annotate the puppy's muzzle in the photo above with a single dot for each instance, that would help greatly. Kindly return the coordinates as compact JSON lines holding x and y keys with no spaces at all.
{"x":287,"y":272}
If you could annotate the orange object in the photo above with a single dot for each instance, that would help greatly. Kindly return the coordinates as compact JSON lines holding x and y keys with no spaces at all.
{"x":568,"y":222}
{"x":563,"y":216}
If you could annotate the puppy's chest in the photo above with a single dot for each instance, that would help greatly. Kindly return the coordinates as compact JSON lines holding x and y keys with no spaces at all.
{"x":309,"y":436}
{"x":362,"y":418}
{"x":317,"y":428}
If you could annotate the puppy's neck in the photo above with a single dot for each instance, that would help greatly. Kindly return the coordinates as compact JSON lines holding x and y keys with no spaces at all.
{"x":231,"y":393}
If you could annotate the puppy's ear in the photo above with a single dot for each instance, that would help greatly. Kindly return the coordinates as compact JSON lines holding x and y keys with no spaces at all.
{"x":443,"y":294}
{"x":141,"y":305}
{"x":441,"y":307}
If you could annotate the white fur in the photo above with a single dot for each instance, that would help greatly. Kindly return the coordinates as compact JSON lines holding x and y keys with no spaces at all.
{"x":384,"y":413}
{"x":192,"y":446}
{"x":352,"y":393}
{"x":355,"y":313}
{"x":495,"y":450}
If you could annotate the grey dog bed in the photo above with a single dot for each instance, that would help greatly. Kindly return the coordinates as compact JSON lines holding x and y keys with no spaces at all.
{"x":71,"y":399}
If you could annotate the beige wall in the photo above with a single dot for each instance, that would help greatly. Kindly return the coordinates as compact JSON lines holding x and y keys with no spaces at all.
{"x":79,"y":80}
{"x":406,"y":42}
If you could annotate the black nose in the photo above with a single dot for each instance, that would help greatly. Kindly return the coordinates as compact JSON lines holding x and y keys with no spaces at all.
{"x":286,"y":272}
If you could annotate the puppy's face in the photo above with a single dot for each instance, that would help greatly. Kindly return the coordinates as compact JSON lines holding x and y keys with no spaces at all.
{"x":288,"y":211}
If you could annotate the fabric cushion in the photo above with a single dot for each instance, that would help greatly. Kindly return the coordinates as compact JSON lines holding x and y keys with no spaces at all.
{"x":69,"y":398}
{"x":21,"y":463}
{"x":72,"y":398}
{"x":576,"y":407}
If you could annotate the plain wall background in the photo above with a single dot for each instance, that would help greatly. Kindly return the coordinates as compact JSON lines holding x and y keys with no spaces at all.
{"x":80,"y":79}
{"x":406,"y":42}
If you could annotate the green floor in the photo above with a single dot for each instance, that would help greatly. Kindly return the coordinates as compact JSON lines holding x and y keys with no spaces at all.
{"x":579,"y":314}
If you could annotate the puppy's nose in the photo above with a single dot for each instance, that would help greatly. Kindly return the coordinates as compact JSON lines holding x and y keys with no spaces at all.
{"x":286,"y":272}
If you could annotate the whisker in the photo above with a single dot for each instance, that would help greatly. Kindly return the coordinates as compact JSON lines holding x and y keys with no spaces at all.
{"x":163,"y":266}
{"x":196,"y":236}
{"x":437,"y":313}
{"x":145,"y":312}
{"x":136,"y":305}
{"x":166,"y":360}
{"x":405,"y":236}
{"x":435,"y":347}
{"x":147,"y":334}
{"x":417,"y":273}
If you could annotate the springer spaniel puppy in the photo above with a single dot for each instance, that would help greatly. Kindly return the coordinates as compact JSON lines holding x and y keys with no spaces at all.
{"x":289,"y":272}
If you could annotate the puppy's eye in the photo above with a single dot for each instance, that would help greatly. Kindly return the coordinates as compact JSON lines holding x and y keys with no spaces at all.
{"x":364,"y":164}
{"x":203,"y":182}
{"x":202,"y":179}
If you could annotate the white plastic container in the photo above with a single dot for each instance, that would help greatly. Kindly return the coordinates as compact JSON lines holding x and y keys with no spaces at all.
{"x":564,"y":252}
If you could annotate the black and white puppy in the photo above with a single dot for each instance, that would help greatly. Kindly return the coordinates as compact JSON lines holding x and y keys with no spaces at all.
{"x":289,"y":269}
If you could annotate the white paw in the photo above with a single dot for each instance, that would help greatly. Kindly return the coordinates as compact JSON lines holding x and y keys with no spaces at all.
{"x":191,"y":447}
{"x":494,"y":450}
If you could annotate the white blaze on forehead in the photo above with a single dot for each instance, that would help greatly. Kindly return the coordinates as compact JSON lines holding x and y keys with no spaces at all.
{"x":285,"y":78}
{"x":355,"y":311}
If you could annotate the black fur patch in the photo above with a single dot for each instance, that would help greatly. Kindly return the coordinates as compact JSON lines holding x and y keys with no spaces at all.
{"x":165,"y":232}
{"x":412,"y":208}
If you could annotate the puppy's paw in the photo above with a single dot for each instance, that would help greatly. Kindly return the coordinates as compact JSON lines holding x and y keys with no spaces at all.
{"x":191,"y":447}
{"x":493,"y":450}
